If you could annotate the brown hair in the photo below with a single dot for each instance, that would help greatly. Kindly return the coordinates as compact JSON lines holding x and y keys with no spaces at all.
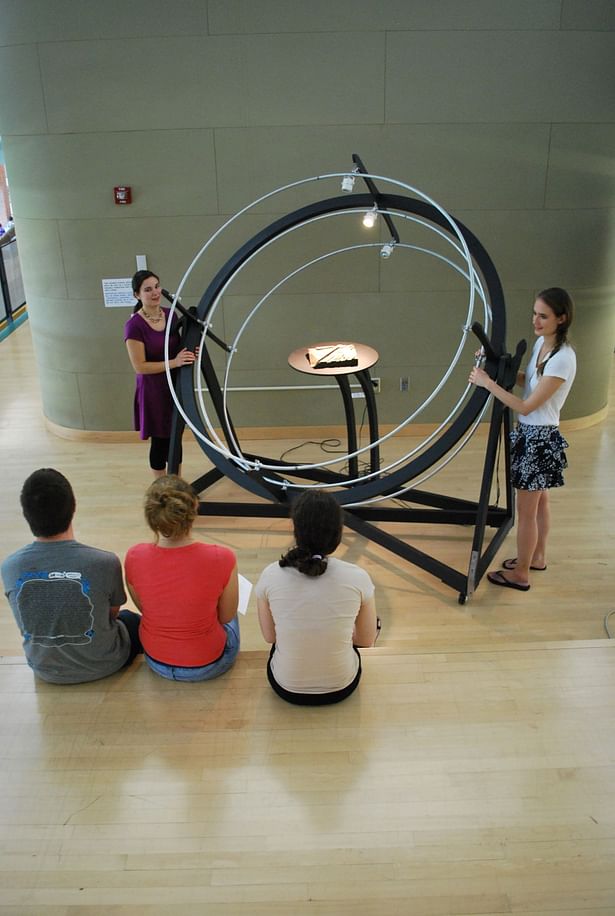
{"x":171,"y":506}
{"x":561,"y":304}
{"x":317,"y":523}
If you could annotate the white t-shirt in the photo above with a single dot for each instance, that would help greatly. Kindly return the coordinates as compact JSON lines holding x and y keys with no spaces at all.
{"x":314,"y":619}
{"x":562,"y":365}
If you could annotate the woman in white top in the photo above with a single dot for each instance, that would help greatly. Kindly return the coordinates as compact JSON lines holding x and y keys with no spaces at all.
{"x":537,"y":446}
{"x":315,"y":609}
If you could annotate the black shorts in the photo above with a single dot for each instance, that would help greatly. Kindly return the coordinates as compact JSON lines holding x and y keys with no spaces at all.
{"x":313,"y":699}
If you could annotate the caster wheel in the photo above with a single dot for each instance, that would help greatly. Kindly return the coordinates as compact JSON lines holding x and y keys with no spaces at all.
{"x":462,"y":598}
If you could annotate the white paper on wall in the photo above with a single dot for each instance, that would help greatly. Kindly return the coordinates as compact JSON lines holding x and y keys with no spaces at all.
{"x":117,"y":292}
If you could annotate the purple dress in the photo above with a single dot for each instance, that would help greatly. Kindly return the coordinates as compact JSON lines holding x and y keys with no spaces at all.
{"x":153,"y":408}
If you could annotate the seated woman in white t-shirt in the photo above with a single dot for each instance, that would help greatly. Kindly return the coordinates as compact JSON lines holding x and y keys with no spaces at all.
{"x":315,"y":609}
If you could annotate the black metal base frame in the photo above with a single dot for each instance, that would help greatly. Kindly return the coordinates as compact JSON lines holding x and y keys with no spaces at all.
{"x":364,"y":519}
{"x":435,"y":509}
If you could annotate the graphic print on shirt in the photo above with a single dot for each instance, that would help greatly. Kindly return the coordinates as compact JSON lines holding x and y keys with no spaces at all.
{"x":55,"y":608}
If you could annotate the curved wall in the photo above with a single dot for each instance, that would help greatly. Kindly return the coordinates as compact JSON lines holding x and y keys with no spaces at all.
{"x":502,"y":112}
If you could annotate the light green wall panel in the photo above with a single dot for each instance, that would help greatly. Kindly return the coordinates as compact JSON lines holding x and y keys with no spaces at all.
{"x":411,"y":330}
{"x":350,"y":270}
{"x":120,"y":85}
{"x":142,"y":83}
{"x":16,"y":18}
{"x":59,"y":393}
{"x":588,"y":14}
{"x":420,"y":262}
{"x":494,"y":165}
{"x":519,"y":306}
{"x":94,"y":249}
{"x":283,"y":408}
{"x":40,"y":256}
{"x":491,"y":76}
{"x":314,"y":79}
{"x":80,"y":335}
{"x":171,"y":172}
{"x":411,"y":270}
{"x":397,"y":406}
{"x":534,"y":249}
{"x":592,"y":335}
{"x":298,"y":321}
{"x":21,"y":111}
{"x":230,"y":16}
{"x":41,"y":20}
{"x":107,"y":399}
{"x":581,"y":166}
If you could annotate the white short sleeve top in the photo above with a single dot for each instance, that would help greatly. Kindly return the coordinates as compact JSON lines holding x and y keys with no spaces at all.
{"x":562,"y":364}
{"x":314,"y":620}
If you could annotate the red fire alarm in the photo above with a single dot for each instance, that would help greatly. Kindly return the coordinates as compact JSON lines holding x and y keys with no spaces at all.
{"x":123,"y":194}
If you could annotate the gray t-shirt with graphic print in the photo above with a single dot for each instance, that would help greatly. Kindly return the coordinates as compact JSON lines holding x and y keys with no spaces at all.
{"x":61,"y":593}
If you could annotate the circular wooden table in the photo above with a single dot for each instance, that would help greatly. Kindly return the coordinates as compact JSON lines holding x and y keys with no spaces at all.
{"x":366,"y":358}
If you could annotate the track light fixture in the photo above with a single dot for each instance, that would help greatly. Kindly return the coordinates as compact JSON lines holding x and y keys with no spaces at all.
{"x":349,"y":180}
{"x":387,"y":249}
{"x":370,"y":217}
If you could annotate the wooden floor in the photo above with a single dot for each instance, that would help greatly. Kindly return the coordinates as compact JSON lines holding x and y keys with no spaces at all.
{"x":472,"y":773}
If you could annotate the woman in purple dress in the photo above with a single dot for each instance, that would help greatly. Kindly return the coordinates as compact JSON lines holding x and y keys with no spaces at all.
{"x":144,"y":334}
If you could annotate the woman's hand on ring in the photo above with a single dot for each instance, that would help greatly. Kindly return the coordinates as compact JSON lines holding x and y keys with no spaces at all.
{"x":184,"y":358}
{"x":479,"y":377}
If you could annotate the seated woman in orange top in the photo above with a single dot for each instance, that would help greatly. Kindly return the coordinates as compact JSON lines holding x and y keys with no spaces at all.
{"x":187,"y":591}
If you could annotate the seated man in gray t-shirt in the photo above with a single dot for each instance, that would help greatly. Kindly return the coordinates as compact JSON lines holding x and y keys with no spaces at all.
{"x":66,"y":596}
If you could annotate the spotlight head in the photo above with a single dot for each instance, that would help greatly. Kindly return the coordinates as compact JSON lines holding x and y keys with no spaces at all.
{"x":349,"y":180}
{"x":370,"y":217}
{"x":387,"y":249}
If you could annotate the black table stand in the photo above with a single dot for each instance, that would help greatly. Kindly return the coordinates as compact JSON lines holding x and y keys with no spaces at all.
{"x":366,"y":357}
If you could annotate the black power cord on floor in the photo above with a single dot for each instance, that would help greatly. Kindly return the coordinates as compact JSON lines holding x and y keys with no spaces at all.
{"x":329,"y":446}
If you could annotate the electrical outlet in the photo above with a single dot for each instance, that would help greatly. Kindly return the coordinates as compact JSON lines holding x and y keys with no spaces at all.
{"x":376,"y":384}
{"x":403,"y":383}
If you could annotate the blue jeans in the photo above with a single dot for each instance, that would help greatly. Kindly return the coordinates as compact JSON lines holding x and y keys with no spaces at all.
{"x":205,"y":672}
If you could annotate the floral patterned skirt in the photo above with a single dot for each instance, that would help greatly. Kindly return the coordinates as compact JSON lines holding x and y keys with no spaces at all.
{"x":537,"y":458}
